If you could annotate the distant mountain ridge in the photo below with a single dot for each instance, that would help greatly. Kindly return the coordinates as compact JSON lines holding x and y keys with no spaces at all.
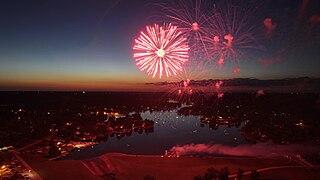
{"x":289,"y":85}
{"x":252,"y":82}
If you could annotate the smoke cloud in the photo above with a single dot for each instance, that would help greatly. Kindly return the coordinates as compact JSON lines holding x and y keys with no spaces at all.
{"x":260,"y":149}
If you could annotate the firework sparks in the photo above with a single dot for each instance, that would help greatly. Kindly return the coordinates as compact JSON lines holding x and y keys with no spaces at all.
{"x":229,"y":39}
{"x":236,"y":70}
{"x":260,"y":92}
{"x":186,"y":83}
{"x":180,"y":91}
{"x":191,"y":17}
{"x":218,"y":84}
{"x":220,"y":95}
{"x":162,"y":50}
{"x":220,"y":62}
{"x":233,"y":30}
{"x":270,"y":26}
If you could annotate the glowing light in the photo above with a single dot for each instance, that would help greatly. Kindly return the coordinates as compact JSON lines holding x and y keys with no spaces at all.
{"x":237,"y":70}
{"x":260,"y":92}
{"x":186,"y":83}
{"x":221,"y":61}
{"x":160,"y":53}
{"x":162,"y":50}
{"x":216,"y":39}
{"x":220,"y":95}
{"x":191,"y":17}
{"x":218,"y":84}
{"x":232,"y":30}
{"x":195,"y":26}
{"x":229,"y":39}
{"x":270,"y":26}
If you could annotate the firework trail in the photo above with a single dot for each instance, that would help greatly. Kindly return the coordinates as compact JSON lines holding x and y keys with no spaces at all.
{"x":162,"y":50}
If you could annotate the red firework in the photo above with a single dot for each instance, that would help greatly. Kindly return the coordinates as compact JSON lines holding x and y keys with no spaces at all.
{"x":234,"y":29}
{"x":191,"y":18}
{"x":161,"y":50}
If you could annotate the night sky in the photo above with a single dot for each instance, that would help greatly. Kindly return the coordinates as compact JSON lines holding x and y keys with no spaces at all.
{"x":87,"y":44}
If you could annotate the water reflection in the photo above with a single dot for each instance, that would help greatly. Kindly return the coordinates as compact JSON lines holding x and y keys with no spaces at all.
{"x":136,"y":123}
{"x":236,"y":119}
{"x":170,"y":129}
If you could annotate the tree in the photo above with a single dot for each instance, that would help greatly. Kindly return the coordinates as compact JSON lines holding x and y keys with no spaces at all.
{"x":254,"y":175}
{"x":224,"y":174}
{"x":17,"y":176}
{"x":53,"y":150}
{"x":211,"y":174}
{"x":197,"y":177}
{"x":239,"y":174}
{"x":148,"y":177}
{"x":109,"y":176}
{"x":1,"y":158}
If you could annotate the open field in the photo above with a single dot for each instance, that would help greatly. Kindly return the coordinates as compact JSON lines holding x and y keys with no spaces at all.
{"x":290,"y":173}
{"x":138,"y":166}
{"x":60,"y":169}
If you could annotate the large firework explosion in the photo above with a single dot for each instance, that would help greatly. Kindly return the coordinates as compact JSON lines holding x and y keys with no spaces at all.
{"x":191,"y":17}
{"x":162,"y":50}
{"x":234,"y":29}
{"x":209,"y":36}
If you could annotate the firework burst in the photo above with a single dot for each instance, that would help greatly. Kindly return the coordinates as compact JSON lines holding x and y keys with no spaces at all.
{"x":234,"y":29}
{"x":162,"y":50}
{"x":191,"y":18}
